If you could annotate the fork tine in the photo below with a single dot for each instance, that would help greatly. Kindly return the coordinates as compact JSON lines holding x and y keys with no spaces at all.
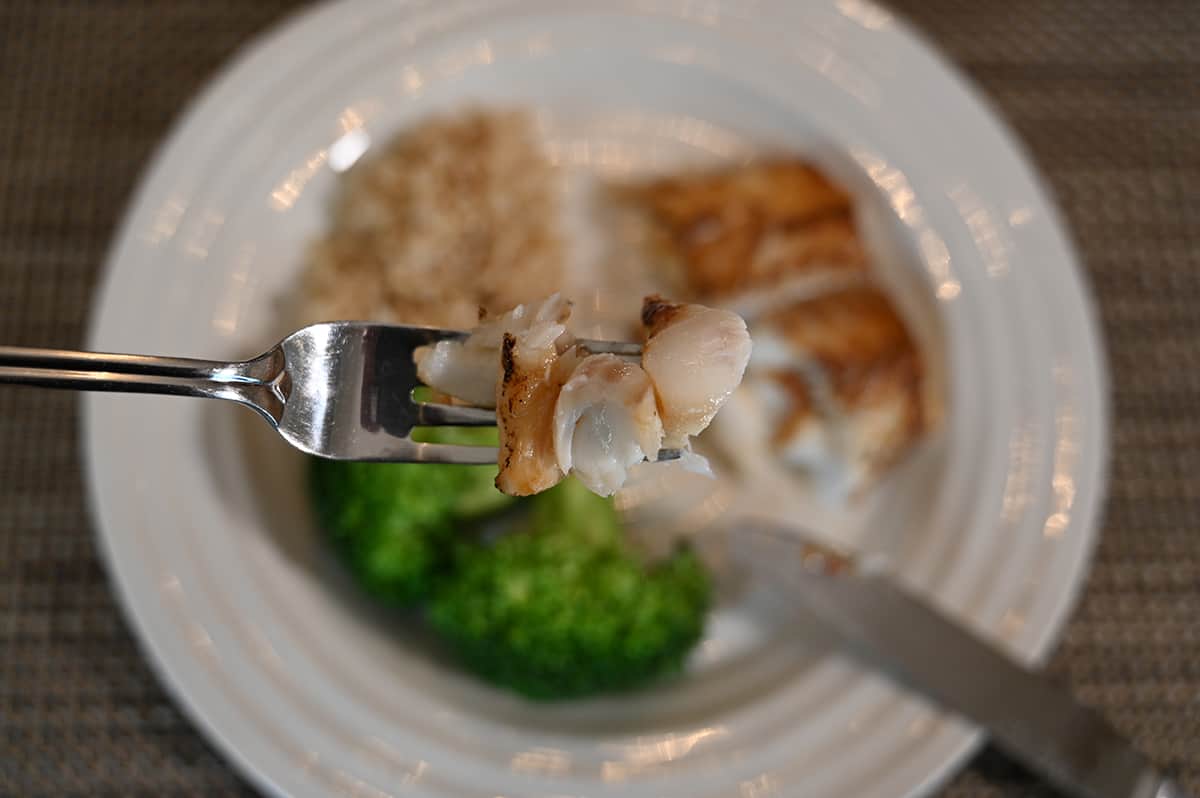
{"x":621,"y":348}
{"x":451,"y":453}
{"x":487,"y":455}
{"x":432,"y":414}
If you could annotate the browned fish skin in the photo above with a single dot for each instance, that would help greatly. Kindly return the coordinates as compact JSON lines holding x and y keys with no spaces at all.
{"x":868,"y":357}
{"x":508,"y":366}
{"x":898,"y":380}
{"x":846,"y":330}
{"x":801,"y":406}
{"x":750,"y":226}
{"x":525,"y":419}
{"x":772,"y":189}
{"x":658,"y":313}
{"x":827,"y":243}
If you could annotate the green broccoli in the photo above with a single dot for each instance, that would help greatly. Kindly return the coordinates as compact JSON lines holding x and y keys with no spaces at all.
{"x":395,"y":523}
{"x":566,"y":607}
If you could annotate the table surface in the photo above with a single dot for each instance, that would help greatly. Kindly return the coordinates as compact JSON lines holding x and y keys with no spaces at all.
{"x":1106,"y":96}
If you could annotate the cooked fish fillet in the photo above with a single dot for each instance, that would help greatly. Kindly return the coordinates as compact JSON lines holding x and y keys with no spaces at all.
{"x":742,"y":434}
{"x":605,"y":420}
{"x":525,"y":398}
{"x":884,"y":416}
{"x":845,"y":331}
{"x":559,"y":412}
{"x":465,"y":373}
{"x":798,"y":424}
{"x":772,"y":189}
{"x":750,"y":227}
{"x":469,"y":370}
{"x":695,"y":356}
{"x":835,"y":381}
{"x":858,"y":372}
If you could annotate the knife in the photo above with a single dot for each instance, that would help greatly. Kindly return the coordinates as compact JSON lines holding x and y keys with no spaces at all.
{"x":892,"y":630}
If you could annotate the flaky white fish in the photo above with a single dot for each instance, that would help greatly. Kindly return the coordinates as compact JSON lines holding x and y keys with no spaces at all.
{"x":695,"y":356}
{"x":469,"y":370}
{"x":605,"y":420}
{"x":560,"y":411}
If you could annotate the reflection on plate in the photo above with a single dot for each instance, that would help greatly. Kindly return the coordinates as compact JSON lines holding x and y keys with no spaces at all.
{"x":200,"y":510}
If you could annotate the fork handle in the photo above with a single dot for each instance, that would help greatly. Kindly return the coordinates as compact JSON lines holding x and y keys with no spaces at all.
{"x":100,"y":362}
{"x":257,"y":383}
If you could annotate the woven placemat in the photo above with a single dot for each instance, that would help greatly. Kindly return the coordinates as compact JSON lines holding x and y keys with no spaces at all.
{"x":1105,"y":94}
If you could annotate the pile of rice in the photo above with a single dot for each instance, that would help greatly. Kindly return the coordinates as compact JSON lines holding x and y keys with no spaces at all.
{"x":455,"y":215}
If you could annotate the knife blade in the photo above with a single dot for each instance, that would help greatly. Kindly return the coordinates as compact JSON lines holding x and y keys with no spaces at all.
{"x":894,"y":631}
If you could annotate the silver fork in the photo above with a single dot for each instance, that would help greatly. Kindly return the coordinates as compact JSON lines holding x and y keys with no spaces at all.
{"x":341,"y":390}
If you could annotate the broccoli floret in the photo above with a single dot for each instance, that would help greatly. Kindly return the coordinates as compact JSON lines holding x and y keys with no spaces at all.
{"x":566,"y":607}
{"x":394,"y":523}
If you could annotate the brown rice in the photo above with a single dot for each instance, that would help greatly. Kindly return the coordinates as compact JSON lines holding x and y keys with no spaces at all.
{"x":454,"y":215}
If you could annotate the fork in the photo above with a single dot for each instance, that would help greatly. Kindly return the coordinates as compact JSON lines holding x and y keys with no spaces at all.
{"x":340,"y":390}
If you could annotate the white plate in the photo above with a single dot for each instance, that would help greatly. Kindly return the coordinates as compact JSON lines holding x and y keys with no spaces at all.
{"x":201,"y":513}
